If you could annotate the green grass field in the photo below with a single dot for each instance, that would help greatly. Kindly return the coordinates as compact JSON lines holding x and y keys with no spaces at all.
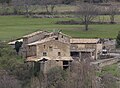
{"x":111,"y":69}
{"x":12,"y":27}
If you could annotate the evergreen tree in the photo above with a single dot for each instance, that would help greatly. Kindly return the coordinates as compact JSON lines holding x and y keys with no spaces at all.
{"x":17,"y":46}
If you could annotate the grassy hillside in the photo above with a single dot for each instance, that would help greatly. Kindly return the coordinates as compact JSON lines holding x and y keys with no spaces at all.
{"x":111,"y":69}
{"x":12,"y":27}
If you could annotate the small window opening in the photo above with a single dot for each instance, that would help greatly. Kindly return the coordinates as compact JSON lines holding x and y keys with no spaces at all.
{"x":74,"y":54}
{"x":56,"y":38}
{"x":59,"y":53}
{"x":44,"y":54}
{"x":65,"y":62}
{"x":44,"y":46}
{"x":65,"y":65}
{"x":50,"y":48}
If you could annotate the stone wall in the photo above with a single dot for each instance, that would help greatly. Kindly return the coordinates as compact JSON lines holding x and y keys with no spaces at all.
{"x":31,"y":51}
{"x":52,"y":48}
{"x":105,"y":62}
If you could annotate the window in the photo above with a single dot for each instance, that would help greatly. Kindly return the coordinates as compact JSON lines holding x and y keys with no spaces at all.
{"x":65,"y":65}
{"x":75,"y":54}
{"x":56,"y":38}
{"x":59,"y":53}
{"x":44,"y":46}
{"x":50,"y":48}
{"x":44,"y":54}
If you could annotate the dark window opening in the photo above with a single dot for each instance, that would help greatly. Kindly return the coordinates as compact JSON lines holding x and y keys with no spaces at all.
{"x":44,"y":46}
{"x":62,"y":36}
{"x":74,"y":54}
{"x":50,"y":48}
{"x":65,"y":63}
{"x":56,"y":38}
{"x":44,"y":54}
{"x":59,"y":53}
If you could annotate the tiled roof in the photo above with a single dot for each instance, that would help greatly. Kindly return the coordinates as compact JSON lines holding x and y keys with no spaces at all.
{"x":49,"y":33}
{"x":13,"y":42}
{"x":83,"y":41}
{"x":45,"y":40}
{"x":32,"y":34}
{"x":42,"y":41}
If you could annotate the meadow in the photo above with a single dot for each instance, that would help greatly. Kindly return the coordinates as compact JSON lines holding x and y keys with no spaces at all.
{"x":13,"y":27}
{"x":111,"y":69}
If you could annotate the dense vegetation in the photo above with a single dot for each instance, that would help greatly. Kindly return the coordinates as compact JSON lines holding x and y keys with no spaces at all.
{"x":14,"y":73}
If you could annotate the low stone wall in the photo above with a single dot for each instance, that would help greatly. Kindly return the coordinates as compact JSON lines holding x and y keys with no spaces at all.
{"x":105,"y":62}
{"x":108,"y":62}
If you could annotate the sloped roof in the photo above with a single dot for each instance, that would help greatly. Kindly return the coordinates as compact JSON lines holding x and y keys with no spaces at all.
{"x":37,"y":32}
{"x":41,"y":41}
{"x":45,"y":40}
{"x":83,"y":41}
{"x":32,"y":34}
{"x":13,"y":42}
{"x":65,"y":34}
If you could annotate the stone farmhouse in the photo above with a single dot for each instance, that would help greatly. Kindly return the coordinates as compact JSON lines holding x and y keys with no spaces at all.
{"x":51,"y":49}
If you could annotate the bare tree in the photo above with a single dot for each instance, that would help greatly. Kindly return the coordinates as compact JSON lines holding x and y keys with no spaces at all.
{"x":7,"y":81}
{"x":50,"y":5}
{"x":82,"y":75}
{"x":56,"y":78}
{"x":113,"y":10}
{"x":38,"y":81}
{"x":87,"y":12}
{"x":25,"y":5}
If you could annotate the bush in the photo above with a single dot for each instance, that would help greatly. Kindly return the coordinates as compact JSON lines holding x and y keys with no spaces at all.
{"x":118,"y":40}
